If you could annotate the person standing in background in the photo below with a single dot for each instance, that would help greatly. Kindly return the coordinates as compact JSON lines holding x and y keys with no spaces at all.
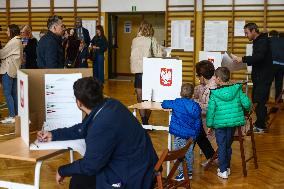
{"x":262,"y":72}
{"x":82,"y":33}
{"x":50,"y":50}
{"x":30,"y":45}
{"x":144,"y":45}
{"x":277,"y":49}
{"x":71,"y":48}
{"x":99,"y":46}
{"x":11,"y":59}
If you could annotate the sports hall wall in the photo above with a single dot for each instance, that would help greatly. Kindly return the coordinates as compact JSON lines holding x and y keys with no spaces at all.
{"x":268,"y":14}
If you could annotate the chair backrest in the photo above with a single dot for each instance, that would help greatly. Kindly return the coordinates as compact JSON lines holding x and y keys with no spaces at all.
{"x":179,"y":157}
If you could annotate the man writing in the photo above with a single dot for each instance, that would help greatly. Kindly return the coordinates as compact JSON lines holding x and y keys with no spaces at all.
{"x":262,"y":74}
{"x":119,"y":153}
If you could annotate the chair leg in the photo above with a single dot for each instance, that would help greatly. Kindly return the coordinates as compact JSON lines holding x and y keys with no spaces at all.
{"x":242,"y":151}
{"x":254,"y":150}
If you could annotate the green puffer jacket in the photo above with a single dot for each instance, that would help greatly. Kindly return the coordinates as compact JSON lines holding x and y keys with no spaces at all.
{"x":226,"y":107}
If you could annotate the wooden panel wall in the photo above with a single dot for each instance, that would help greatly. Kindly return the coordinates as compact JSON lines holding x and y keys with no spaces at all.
{"x":181,"y":12}
{"x":37,"y":16}
{"x":261,"y":14}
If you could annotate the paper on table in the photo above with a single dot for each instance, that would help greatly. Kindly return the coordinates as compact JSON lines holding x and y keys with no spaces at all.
{"x":227,"y":61}
{"x":78,"y":145}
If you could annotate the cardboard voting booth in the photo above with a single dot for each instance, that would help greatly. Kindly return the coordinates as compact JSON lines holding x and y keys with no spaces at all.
{"x":162,"y":79}
{"x":214,"y":57}
{"x":31,"y":97}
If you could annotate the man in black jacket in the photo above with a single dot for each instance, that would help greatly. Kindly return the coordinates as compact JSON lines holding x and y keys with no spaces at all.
{"x":50,"y":50}
{"x":82,"y":33}
{"x":277,"y":49}
{"x":262,"y":72}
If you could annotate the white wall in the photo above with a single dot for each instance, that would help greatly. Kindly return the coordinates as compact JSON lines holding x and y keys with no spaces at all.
{"x":126,"y":5}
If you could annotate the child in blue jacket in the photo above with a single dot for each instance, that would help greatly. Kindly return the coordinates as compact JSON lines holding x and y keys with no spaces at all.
{"x":185,"y":123}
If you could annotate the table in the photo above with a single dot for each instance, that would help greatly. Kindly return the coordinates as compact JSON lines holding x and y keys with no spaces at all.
{"x":16,"y":149}
{"x":154,"y":106}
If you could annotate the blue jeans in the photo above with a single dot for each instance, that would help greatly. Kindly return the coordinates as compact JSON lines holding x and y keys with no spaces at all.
{"x":98,"y":67}
{"x":224,"y":139}
{"x":178,"y":144}
{"x":10,"y":93}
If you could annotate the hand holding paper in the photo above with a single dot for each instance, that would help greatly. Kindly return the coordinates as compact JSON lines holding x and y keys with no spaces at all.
{"x":44,"y":136}
{"x":236,"y":59}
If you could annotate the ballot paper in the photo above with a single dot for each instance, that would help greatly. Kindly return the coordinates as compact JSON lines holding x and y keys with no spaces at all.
{"x":60,"y":103}
{"x":227,"y":61}
{"x":78,"y":145}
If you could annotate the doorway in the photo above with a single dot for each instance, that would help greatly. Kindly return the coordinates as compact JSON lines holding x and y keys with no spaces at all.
{"x":123,"y":28}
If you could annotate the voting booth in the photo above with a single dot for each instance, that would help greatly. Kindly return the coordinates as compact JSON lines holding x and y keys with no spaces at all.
{"x":162,"y":79}
{"x":31,"y":97}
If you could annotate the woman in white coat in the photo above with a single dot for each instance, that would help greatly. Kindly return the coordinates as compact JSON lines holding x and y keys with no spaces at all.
{"x":11,"y":59}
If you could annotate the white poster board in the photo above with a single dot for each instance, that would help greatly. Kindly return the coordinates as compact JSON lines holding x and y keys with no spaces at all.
{"x":180,"y":35}
{"x":162,"y":79}
{"x":216,"y":36}
{"x":23,"y":104}
{"x":60,"y":103}
{"x":214,"y":57}
{"x":239,"y":28}
{"x":90,"y":25}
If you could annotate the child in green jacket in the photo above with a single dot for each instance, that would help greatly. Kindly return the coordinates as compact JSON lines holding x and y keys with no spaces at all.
{"x":226,"y":107}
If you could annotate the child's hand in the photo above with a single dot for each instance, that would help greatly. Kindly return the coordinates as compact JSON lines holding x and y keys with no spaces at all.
{"x":209,"y":131}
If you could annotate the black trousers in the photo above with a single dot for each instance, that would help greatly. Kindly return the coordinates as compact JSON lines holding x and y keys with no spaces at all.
{"x":82,"y":182}
{"x":260,"y":95}
{"x":278,"y":76}
{"x":204,"y":144}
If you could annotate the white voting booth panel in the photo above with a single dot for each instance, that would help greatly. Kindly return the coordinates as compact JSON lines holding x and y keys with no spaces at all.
{"x":33,"y":109}
{"x":23,"y":104}
{"x":214,"y":57}
{"x":162,"y":79}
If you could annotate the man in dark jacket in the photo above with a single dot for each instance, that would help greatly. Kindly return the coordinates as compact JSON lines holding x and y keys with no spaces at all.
{"x":262,"y":72}
{"x":82,"y":33}
{"x":119,"y":153}
{"x":277,"y":49}
{"x":50,"y":50}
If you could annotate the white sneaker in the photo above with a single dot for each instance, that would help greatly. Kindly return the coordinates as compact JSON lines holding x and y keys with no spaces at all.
{"x":223,"y":175}
{"x":228,"y":171}
{"x":8,"y":120}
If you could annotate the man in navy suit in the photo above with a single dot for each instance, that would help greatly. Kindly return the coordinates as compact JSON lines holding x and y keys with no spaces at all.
{"x":119,"y":153}
{"x":82,"y":33}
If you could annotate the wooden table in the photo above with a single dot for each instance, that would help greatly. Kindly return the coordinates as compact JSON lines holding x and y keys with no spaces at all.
{"x":16,"y":149}
{"x":154,"y":106}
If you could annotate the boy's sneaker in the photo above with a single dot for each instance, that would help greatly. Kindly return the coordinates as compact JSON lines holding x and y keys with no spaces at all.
{"x":228,"y":171}
{"x":223,"y":175}
{"x":8,"y":120}
{"x":179,"y":177}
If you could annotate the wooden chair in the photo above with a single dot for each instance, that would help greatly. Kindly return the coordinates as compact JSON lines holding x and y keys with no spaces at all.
{"x":240,"y":137}
{"x":179,"y":157}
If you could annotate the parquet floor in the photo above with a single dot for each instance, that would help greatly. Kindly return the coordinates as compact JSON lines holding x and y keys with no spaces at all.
{"x":270,"y":151}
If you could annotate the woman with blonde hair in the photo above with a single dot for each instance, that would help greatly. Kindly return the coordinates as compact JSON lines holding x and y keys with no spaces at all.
{"x":30,"y":45}
{"x":144,"y":45}
{"x":11,"y":58}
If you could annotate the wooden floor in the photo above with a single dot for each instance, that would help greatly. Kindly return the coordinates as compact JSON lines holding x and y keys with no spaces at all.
{"x":270,"y":151}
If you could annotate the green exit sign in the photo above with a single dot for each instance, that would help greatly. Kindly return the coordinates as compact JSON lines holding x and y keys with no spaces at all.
{"x":133,"y":8}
